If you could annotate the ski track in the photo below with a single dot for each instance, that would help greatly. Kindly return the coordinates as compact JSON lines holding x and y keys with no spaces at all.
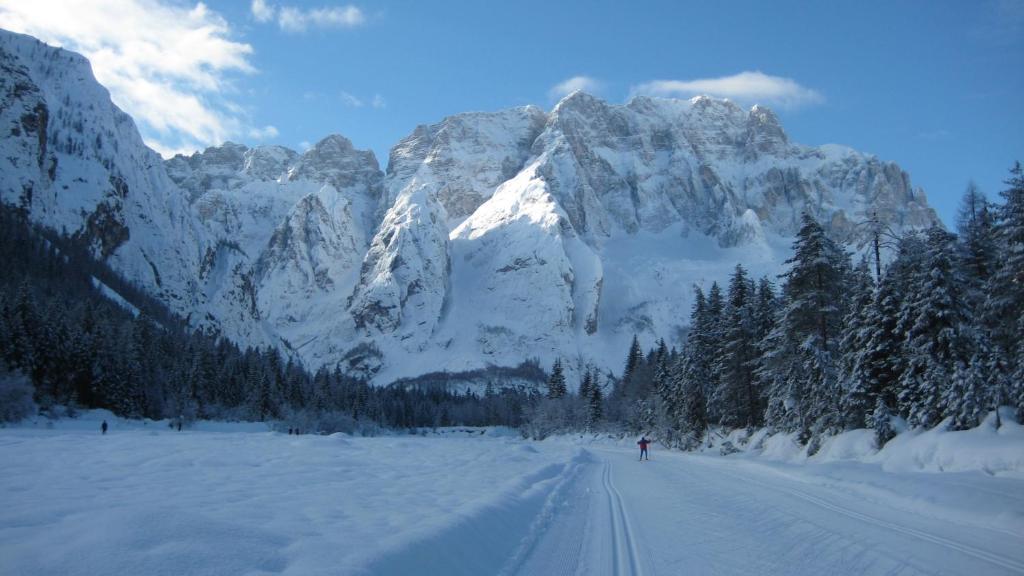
{"x":991,"y":557}
{"x":732,"y":518}
{"x":624,"y":552}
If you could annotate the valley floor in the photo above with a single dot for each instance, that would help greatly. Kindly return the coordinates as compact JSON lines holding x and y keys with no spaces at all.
{"x":148,"y":500}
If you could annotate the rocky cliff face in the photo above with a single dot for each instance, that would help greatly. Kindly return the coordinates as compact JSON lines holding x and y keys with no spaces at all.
{"x":285,"y":236}
{"x":493,"y":237}
{"x":76,"y":163}
{"x":611,"y":216}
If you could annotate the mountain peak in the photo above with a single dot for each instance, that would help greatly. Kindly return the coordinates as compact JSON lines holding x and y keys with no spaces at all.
{"x":764,"y":133}
{"x":333,"y":143}
{"x":578,"y":100}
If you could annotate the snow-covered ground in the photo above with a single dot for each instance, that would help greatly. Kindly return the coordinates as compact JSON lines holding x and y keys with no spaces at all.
{"x":227,"y":499}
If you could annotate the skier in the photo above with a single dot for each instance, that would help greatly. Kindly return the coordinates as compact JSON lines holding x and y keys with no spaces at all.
{"x":643,"y":448}
{"x":103,"y":427}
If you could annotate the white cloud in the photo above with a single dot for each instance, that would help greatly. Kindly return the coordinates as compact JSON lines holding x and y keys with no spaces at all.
{"x":292,"y":19}
{"x":262,"y":11}
{"x":747,"y":87}
{"x":350,"y":100}
{"x":353,"y":101}
{"x":265,"y":133}
{"x":168,"y":65}
{"x":566,"y":87}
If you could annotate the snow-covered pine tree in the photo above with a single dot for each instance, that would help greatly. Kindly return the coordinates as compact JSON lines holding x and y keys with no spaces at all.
{"x":764,"y":309}
{"x":735,"y":399}
{"x":634,"y":360}
{"x":859,"y":390}
{"x":710,"y":344}
{"x":940,"y":332}
{"x":556,"y":382}
{"x":975,"y":226}
{"x":964,"y":398}
{"x":594,"y":402}
{"x":262,"y":403}
{"x":1004,"y":306}
{"x":1015,"y":388}
{"x":881,"y":421}
{"x":661,"y":369}
{"x":800,"y":362}
{"x":685,"y":400}
{"x":888,"y":321}
{"x":586,"y":384}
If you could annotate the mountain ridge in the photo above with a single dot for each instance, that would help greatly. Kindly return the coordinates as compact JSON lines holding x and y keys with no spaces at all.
{"x":490,"y":238}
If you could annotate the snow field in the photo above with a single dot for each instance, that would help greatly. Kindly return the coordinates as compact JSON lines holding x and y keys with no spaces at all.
{"x":234,"y":499}
{"x":157,"y":501}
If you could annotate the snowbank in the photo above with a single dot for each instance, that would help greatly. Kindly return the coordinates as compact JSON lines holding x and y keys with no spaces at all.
{"x":987,"y":449}
{"x":90,"y":420}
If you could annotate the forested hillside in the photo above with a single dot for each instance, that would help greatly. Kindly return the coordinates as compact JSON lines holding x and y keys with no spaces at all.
{"x":86,"y":339}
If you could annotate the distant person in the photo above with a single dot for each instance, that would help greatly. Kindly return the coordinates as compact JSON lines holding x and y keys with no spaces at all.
{"x":289,"y":431}
{"x":643,"y":448}
{"x":103,"y":427}
{"x":179,"y":425}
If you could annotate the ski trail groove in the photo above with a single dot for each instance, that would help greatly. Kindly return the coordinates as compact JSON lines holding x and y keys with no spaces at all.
{"x":991,"y":557}
{"x":625,"y":558}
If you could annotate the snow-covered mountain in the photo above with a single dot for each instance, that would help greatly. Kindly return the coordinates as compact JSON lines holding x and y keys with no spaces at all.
{"x":491,"y":238}
{"x":77,"y":164}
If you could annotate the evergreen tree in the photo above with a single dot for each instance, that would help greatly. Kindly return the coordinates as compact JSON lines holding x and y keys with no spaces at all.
{"x":801,"y":352}
{"x":634,"y":360}
{"x":586,"y":384}
{"x":735,"y":399}
{"x":710,"y":335}
{"x":556,"y":382}
{"x":881,"y":422}
{"x":939,"y":331}
{"x":685,"y":400}
{"x":595,"y":402}
{"x":884,"y":359}
{"x":662,"y":358}
{"x":975,"y":227}
{"x":764,"y":309}
{"x":1004,"y":306}
{"x":860,"y":390}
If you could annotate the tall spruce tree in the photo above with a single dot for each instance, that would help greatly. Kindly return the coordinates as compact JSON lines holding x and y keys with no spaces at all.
{"x":686,"y":400}
{"x":859,"y":389}
{"x":556,"y":382}
{"x":736,"y":399}
{"x":975,"y":226}
{"x":634,"y":360}
{"x":801,"y":362}
{"x":594,"y":401}
{"x":939,"y":331}
{"x":1004,"y":306}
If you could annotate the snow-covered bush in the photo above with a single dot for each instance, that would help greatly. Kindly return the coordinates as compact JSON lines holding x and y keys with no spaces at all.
{"x":16,"y":402}
{"x":728,"y":448}
{"x":327,"y":422}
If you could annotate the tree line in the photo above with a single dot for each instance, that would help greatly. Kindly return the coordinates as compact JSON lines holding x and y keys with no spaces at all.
{"x":934,"y":334}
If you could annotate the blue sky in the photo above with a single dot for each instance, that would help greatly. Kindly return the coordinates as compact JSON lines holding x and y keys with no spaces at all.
{"x":933,"y":86}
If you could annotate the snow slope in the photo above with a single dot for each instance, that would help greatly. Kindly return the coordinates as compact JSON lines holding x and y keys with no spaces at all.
{"x":221,"y":500}
{"x":76,"y":163}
